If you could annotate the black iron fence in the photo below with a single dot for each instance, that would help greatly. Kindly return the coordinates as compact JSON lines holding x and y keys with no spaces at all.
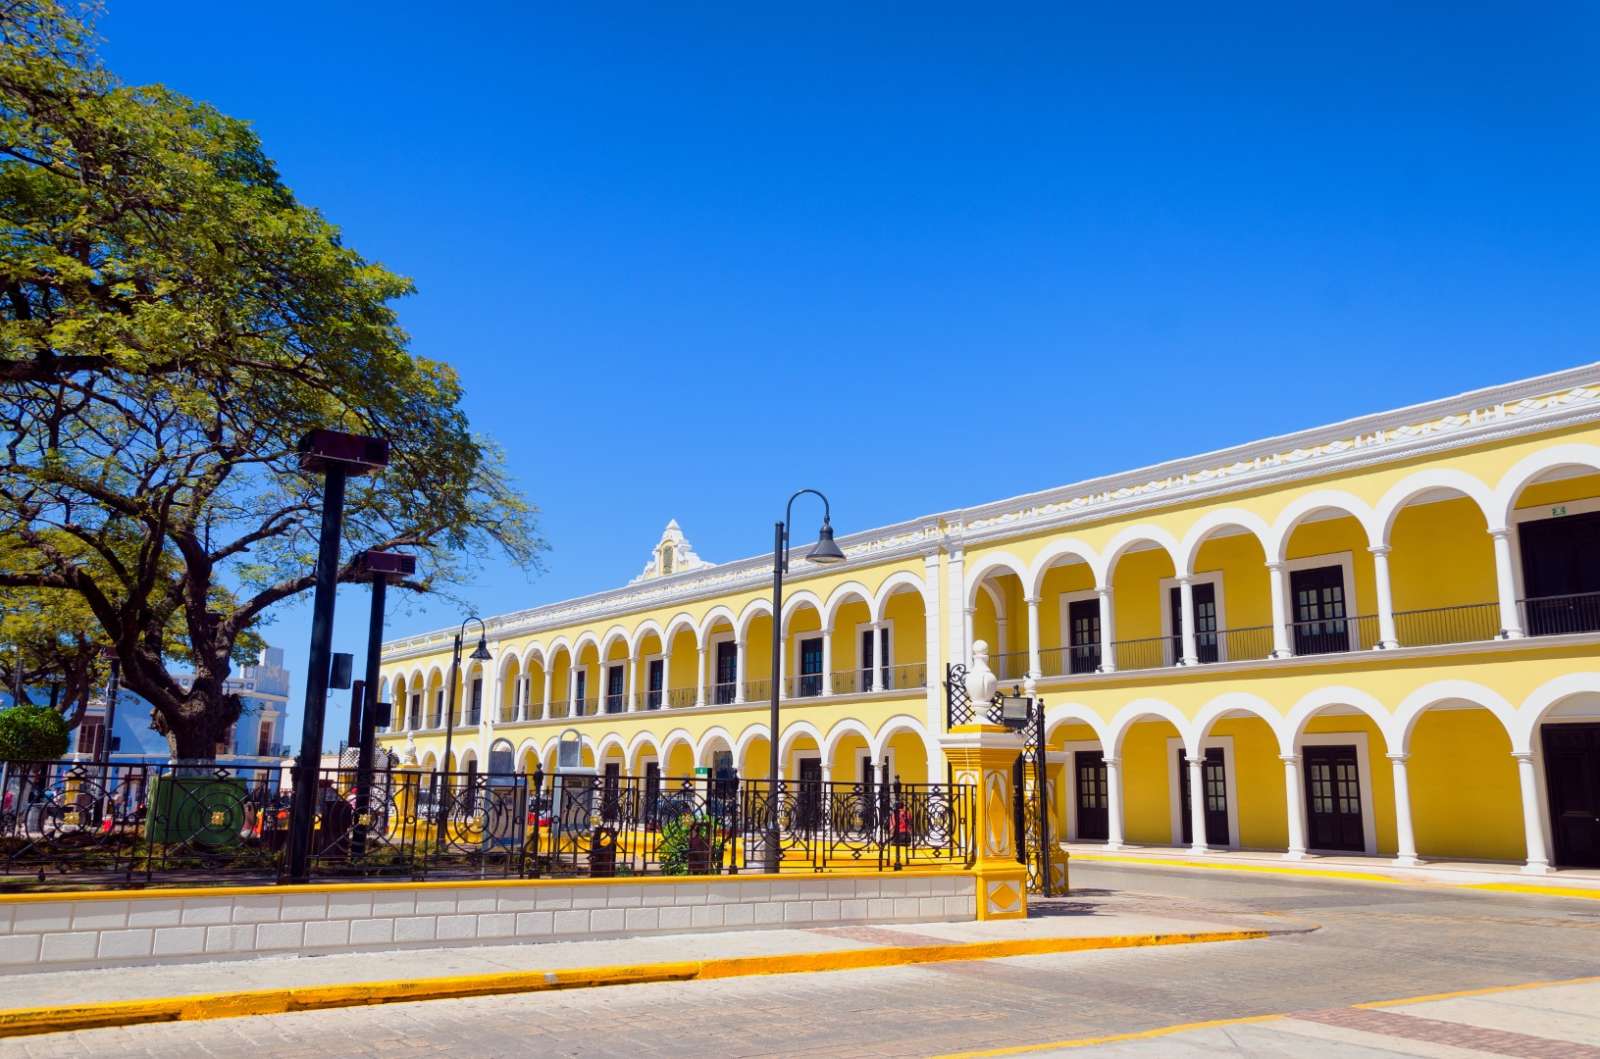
{"x":68,"y":824}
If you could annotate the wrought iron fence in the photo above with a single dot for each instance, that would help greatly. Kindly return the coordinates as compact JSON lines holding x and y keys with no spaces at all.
{"x":1334,"y":635}
{"x":1446,"y":625}
{"x":1249,"y":644}
{"x":1555,"y":615}
{"x":75,"y":823}
{"x":1151,"y":652}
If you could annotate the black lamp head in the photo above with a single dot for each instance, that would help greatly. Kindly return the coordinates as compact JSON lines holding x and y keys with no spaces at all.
{"x":481,"y":652}
{"x":826,"y":553}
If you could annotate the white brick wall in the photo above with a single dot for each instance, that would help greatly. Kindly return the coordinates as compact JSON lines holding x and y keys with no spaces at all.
{"x":39,"y":935}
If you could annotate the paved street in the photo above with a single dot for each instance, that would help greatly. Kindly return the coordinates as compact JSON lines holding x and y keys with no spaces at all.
{"x":1373,"y":943}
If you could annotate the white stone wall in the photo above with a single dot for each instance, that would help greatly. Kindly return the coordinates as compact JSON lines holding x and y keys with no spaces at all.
{"x":159,"y":928}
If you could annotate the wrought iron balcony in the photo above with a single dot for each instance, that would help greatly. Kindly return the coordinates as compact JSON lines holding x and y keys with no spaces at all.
{"x":1559,"y":615}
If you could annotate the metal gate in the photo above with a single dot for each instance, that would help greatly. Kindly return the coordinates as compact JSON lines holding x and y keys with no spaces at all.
{"x":1029,"y":776}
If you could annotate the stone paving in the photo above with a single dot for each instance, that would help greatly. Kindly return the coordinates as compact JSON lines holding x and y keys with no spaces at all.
{"x":1374,"y":943}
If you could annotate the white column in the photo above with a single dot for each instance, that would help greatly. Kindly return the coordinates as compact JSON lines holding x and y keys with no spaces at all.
{"x":966,"y":634}
{"x":877,"y":662}
{"x":1278,"y":574}
{"x":1001,"y":647}
{"x":1297,"y":816}
{"x":738,"y":668}
{"x":1505,"y":580}
{"x":1380,"y":573}
{"x":1538,"y":861}
{"x":630,"y":689}
{"x":572,"y":690}
{"x":1197,"y":804}
{"x":1191,"y":653}
{"x":1113,"y":803}
{"x":934,"y":679}
{"x":700,"y":679}
{"x":1035,"y":666}
{"x":1405,"y":838}
{"x":544,"y":704}
{"x":960,"y":631}
{"x":1108,"y":631}
{"x":827,"y":666}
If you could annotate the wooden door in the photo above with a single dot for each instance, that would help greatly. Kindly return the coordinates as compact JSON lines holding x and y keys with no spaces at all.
{"x":810,"y":793}
{"x":1089,"y":767}
{"x":1333,"y":799}
{"x":1572,"y":776}
{"x":1083,"y":621}
{"x":1205,"y":621}
{"x":1319,"y":609}
{"x":1561,"y":573}
{"x":1214,"y":776}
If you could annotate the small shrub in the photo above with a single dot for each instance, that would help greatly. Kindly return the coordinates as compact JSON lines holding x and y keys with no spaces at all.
{"x":32,"y":733}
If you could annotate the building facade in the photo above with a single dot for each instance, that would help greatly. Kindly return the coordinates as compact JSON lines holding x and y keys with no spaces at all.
{"x":256,"y":738}
{"x":1376,"y":637}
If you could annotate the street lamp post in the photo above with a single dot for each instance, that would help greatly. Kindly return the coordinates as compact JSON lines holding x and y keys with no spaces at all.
{"x":825,"y":553}
{"x":479,"y":654}
{"x":377,"y":569}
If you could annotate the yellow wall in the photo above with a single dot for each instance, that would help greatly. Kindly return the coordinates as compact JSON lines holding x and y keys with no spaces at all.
{"x":1465,"y":798}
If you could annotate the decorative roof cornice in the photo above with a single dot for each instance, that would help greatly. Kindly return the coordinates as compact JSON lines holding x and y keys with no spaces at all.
{"x":1541,"y":403}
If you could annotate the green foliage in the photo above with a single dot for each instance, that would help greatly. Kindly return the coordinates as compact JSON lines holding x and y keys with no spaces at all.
{"x":32,"y":733}
{"x":689,"y":846}
{"x":172,"y":321}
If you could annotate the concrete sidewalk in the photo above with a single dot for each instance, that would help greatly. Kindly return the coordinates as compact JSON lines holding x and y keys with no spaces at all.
{"x":40,"y":1002}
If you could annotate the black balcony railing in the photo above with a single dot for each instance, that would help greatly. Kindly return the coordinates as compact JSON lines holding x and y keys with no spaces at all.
{"x":1248,"y":644}
{"x":68,"y":824}
{"x":1333,"y":635}
{"x":724,"y":692}
{"x":1013,"y":665}
{"x":615,"y":703}
{"x":1151,"y":652}
{"x":1447,"y":625}
{"x":677,"y":697}
{"x":1558,"y":615}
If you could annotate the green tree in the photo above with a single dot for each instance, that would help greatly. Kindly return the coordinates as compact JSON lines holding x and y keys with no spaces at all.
{"x":32,"y":733}
{"x":172,"y":322}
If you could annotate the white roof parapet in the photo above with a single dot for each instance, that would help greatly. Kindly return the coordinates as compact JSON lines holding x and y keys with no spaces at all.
{"x":1539,"y":403}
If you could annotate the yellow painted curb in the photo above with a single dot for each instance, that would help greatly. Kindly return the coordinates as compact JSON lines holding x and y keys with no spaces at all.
{"x":20,"y":1022}
{"x":1339,"y":874}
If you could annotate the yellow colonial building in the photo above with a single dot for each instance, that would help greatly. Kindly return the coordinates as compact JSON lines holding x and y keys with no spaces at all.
{"x":1376,"y":637}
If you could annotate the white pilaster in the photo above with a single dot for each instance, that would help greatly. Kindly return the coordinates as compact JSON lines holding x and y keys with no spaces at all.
{"x":700,"y":679}
{"x":544,"y":704}
{"x":1538,"y":861}
{"x":1506,"y":582}
{"x":960,"y":631}
{"x":1191,"y":653}
{"x":878,"y":662}
{"x":630,"y":692}
{"x":827,"y":664}
{"x":1297,"y":816}
{"x":1278,"y":576}
{"x":1380,"y":572}
{"x":1108,"y":630}
{"x":1405,"y":839}
{"x":738,"y":669}
{"x":933,"y":653}
{"x":1113,"y":803}
{"x":1035,"y":666}
{"x":1197,"y":804}
{"x":573,"y":706}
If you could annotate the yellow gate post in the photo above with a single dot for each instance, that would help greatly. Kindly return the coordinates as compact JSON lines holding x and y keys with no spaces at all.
{"x":982,"y":756}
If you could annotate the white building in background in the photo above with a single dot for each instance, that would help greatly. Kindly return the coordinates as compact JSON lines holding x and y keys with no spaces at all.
{"x":255,"y":739}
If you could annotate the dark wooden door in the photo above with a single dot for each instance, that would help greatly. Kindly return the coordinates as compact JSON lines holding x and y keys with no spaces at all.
{"x":652,"y":790}
{"x":811,"y":666}
{"x":616,"y":677}
{"x":1319,"y":609}
{"x":1215,"y":777}
{"x":1572,"y":776}
{"x":1083,"y":621}
{"x":1205,"y":621}
{"x":1333,"y":798}
{"x":810,"y":793}
{"x":726,"y":673}
{"x":1089,"y":768}
{"x":655,"y":683}
{"x":1561,"y":573}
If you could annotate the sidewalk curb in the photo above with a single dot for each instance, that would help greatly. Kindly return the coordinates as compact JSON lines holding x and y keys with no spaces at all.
{"x":1338,"y":874}
{"x":21,"y":1022}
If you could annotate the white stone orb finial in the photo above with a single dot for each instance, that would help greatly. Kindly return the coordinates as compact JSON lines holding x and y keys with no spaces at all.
{"x":980,"y":680}
{"x":408,"y":756}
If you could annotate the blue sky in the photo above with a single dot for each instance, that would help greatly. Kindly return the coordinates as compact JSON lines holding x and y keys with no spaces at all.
{"x":688,"y":260}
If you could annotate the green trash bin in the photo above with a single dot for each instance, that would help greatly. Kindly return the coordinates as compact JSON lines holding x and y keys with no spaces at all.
{"x":208,"y":811}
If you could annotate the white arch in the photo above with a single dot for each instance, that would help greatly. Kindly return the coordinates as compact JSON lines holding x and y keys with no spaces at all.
{"x":803,"y":598}
{"x":988,"y":564}
{"x":849,"y":726}
{"x":1233,"y":702}
{"x":522,"y":751}
{"x":1062,"y":713}
{"x":716,"y":614}
{"x":558,"y":645}
{"x":1314,"y":702}
{"x":429,"y":761}
{"x":900,"y":722}
{"x":672,"y":739}
{"x":1212,"y":521}
{"x":613,"y":634}
{"x":1141,"y":709}
{"x":741,"y":628}
{"x":677,"y":624}
{"x":1317,"y":500}
{"x":708,"y":740}
{"x":900,"y":579}
{"x":534,"y":650}
{"x":503,"y":666}
{"x":843,"y":594}
{"x":1434,"y":478}
{"x":435,"y":674}
{"x":585,"y":638}
{"x":1057,"y":549}
{"x":746,"y":737}
{"x":791,"y":734}
{"x":608,"y":742}
{"x":637,"y":746}
{"x":1415,"y":704}
{"x":643,"y":629}
{"x":1540,"y":701}
{"x":1125,"y":540}
{"x":1525,"y":470}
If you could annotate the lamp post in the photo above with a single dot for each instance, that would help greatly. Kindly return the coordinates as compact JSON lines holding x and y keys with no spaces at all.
{"x":826,"y":553}
{"x":479,"y":654}
{"x":377,"y":569}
